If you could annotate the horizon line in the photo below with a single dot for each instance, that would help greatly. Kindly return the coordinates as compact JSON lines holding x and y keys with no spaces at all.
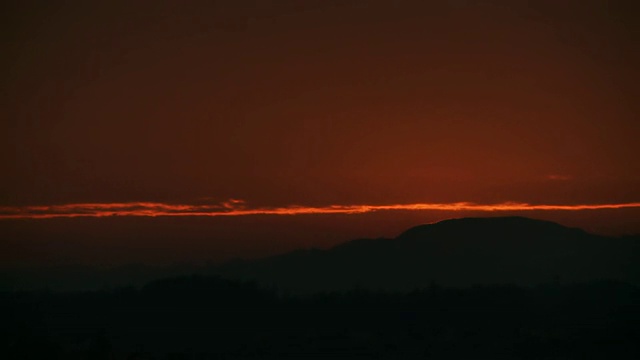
{"x":236,"y":207}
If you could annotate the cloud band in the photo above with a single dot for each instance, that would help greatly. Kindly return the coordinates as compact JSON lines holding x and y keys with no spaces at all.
{"x":234,"y":207}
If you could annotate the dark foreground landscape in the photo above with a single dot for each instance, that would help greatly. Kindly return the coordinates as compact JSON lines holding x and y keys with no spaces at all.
{"x":495,"y":288}
{"x":209,"y":318}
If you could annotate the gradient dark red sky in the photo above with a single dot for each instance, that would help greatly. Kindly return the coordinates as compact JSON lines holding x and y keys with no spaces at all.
{"x":314,"y":103}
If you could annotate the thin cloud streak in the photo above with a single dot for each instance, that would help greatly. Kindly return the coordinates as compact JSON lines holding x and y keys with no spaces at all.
{"x":234,"y":207}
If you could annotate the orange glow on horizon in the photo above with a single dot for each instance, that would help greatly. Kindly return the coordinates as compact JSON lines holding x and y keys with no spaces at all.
{"x":234,"y":207}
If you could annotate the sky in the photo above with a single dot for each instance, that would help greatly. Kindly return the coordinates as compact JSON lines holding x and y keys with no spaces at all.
{"x":130,"y":131}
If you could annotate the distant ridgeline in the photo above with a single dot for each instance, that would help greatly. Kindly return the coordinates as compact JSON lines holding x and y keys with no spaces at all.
{"x":459,"y":252}
{"x":326,"y":304}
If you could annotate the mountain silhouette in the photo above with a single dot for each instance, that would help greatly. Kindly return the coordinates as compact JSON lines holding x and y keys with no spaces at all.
{"x":328,"y":303}
{"x":456,"y":252}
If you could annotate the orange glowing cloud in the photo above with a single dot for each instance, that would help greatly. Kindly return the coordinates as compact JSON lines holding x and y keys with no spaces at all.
{"x":235,"y":207}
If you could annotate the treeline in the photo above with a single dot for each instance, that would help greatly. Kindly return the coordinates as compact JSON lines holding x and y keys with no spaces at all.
{"x":211,"y":318}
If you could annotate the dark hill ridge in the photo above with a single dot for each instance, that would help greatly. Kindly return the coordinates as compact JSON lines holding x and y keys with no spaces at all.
{"x":496,"y":226}
{"x":457,"y":252}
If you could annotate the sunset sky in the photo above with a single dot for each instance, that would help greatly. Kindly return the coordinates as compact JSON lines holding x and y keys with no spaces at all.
{"x":363,"y":117}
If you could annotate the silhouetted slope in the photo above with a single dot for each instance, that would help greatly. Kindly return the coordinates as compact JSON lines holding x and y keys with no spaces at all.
{"x":456,"y":252}
{"x":496,"y":227}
